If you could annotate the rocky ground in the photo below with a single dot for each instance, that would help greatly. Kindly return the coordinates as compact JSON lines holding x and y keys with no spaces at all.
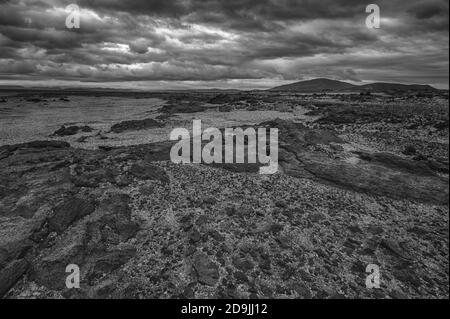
{"x":363,"y":181}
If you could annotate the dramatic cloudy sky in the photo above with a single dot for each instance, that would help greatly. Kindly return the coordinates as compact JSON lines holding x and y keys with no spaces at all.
{"x":222,"y":43}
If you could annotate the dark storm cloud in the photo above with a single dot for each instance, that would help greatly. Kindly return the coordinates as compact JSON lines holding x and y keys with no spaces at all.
{"x":429,"y":10}
{"x":214,"y":40}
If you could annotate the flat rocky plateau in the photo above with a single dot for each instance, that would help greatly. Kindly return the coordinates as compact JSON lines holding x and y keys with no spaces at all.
{"x":362,"y":180}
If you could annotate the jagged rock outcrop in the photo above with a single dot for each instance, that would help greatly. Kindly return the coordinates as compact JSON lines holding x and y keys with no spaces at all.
{"x":135,"y":125}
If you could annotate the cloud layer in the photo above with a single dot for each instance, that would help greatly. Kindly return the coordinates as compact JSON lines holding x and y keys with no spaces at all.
{"x":230,"y":43}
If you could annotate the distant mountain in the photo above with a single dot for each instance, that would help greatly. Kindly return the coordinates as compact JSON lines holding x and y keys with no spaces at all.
{"x":385,"y":87}
{"x":213,"y":90}
{"x":327,"y":85}
{"x":316,"y":85}
{"x":11,"y":87}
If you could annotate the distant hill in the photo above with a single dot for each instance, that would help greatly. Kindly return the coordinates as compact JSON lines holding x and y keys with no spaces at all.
{"x":327,"y":85}
{"x":11,"y":87}
{"x":384,"y":87}
{"x":316,"y":85}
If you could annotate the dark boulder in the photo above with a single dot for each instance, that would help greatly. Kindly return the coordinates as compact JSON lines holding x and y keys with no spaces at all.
{"x":225,"y":108}
{"x":68,"y":212}
{"x":7,"y":150}
{"x":146,"y":171}
{"x":180,"y":107}
{"x":109,"y":261}
{"x":11,"y":274}
{"x":96,"y":244}
{"x":136,"y":125}
{"x":72,"y":130}
{"x":206,"y":270}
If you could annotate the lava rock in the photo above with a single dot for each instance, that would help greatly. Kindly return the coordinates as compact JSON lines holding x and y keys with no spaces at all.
{"x":11,"y":274}
{"x":317,"y":217}
{"x":68,"y":212}
{"x":146,"y":171}
{"x":136,"y":125}
{"x":242,"y":263}
{"x":72,"y":130}
{"x":207,"y":271}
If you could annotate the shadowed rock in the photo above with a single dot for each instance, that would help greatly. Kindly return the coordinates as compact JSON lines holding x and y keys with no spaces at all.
{"x":135,"y":125}
{"x":146,"y":171}
{"x":11,"y":274}
{"x":378,"y":174}
{"x":397,"y":163}
{"x":72,"y":130}
{"x":94,"y":244}
{"x":68,"y":212}
{"x":182,"y":107}
{"x":207,"y":271}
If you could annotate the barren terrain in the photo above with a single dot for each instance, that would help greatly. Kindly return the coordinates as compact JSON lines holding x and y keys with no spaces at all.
{"x":363,"y":180}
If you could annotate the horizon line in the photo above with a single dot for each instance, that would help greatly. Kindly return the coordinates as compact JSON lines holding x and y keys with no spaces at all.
{"x":121,"y":85}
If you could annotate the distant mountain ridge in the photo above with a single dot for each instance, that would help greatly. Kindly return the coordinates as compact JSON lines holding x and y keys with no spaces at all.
{"x":327,"y":85}
{"x":379,"y":86}
{"x":315,"y":85}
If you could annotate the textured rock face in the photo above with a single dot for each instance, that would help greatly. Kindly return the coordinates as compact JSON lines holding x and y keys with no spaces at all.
{"x":72,"y":130}
{"x":182,"y":107}
{"x":11,"y":273}
{"x":378,"y":173}
{"x":68,"y":212}
{"x":373,"y":179}
{"x":146,"y":171}
{"x":50,"y":221}
{"x":139,"y":226}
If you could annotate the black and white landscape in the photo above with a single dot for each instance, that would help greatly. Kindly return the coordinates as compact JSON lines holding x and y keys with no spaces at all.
{"x":87,"y":181}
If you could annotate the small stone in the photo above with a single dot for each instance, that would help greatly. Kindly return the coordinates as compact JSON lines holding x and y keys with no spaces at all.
{"x":275,"y":228}
{"x":206,"y":270}
{"x":284,"y":241}
{"x":302,"y":290}
{"x":230,"y":210}
{"x":409,"y":150}
{"x":123,"y":180}
{"x":336,"y":147}
{"x":202,"y":220}
{"x":194,"y":236}
{"x":375,"y":230}
{"x":269,"y":228}
{"x":354,"y":229}
{"x":217,"y":236}
{"x":245,"y":211}
{"x":103,"y":290}
{"x":188,"y":293}
{"x":281,"y":204}
{"x":240,"y":276}
{"x":190,"y":250}
{"x":316,"y":217}
{"x":242,"y":263}
{"x":209,"y":200}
